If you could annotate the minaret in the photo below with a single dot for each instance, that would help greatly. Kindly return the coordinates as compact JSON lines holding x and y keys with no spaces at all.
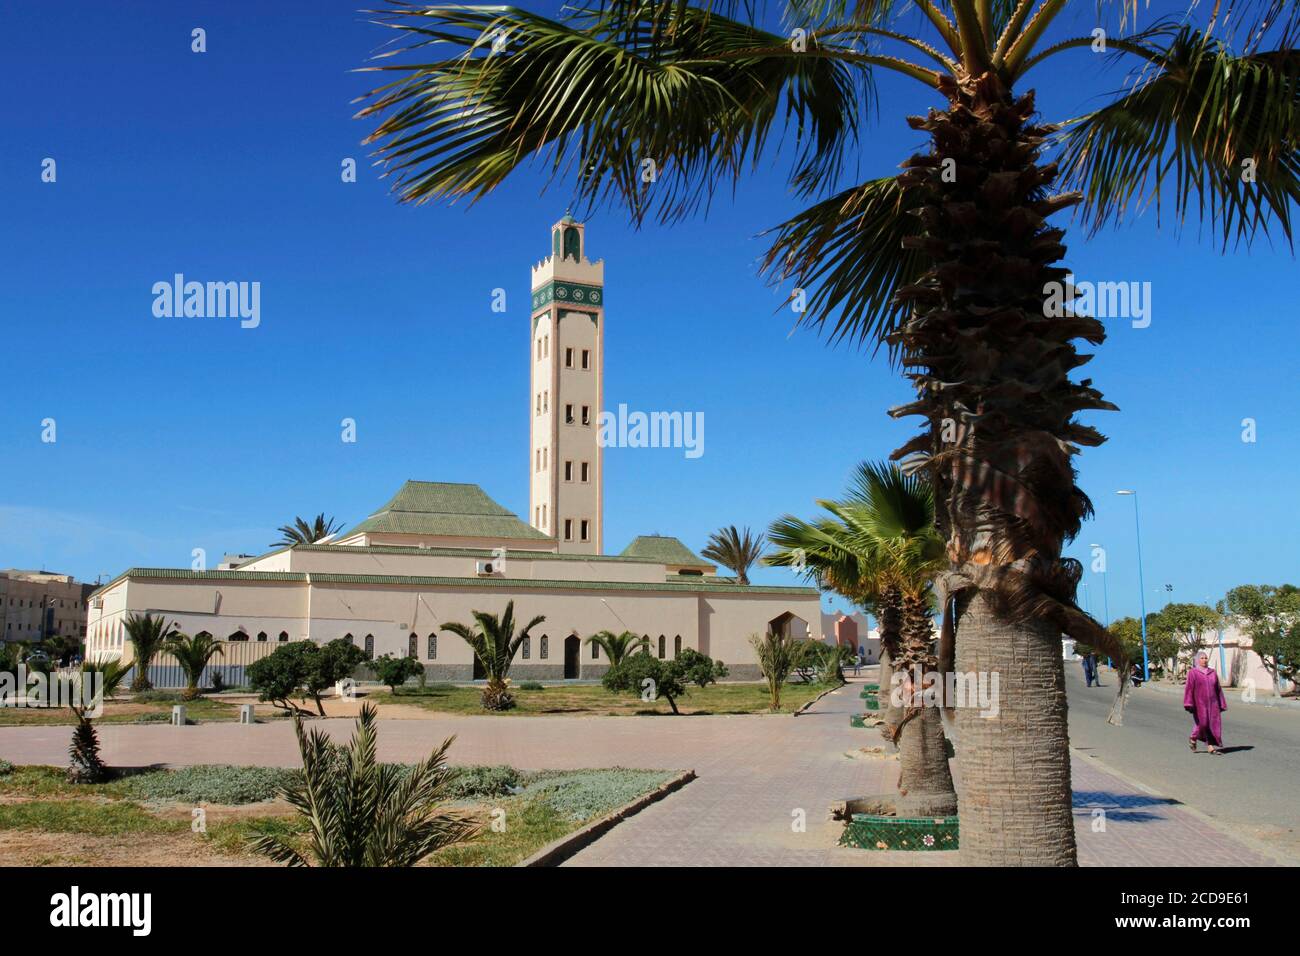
{"x":567,"y":359}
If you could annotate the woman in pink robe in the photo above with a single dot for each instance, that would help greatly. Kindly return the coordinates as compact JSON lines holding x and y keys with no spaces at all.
{"x":1203,"y":699}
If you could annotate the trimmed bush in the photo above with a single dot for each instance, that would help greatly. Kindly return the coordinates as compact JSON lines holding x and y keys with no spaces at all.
{"x":483,"y":781}
{"x":212,"y":783}
{"x":583,"y":794}
{"x":532,"y":685}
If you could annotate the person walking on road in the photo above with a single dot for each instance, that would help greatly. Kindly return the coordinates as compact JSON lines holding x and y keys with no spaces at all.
{"x":1203,"y":699}
{"x":1089,"y":669}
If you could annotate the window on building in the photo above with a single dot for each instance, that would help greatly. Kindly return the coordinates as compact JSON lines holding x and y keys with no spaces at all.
{"x":568,"y":529}
{"x":663,"y":646}
{"x":595,"y":651}
{"x":413,"y":647}
{"x":586,"y":358}
{"x":586,"y":416}
{"x":350,"y":639}
{"x":539,"y":404}
{"x":677,"y":646}
{"x":238,"y":636}
{"x":586,"y":471}
{"x":544,"y":518}
{"x":537,"y":460}
{"x":433,"y":647}
{"x":370,"y":647}
{"x":546,"y":400}
{"x":568,"y":471}
{"x":545,"y":647}
{"x":585,"y":527}
{"x":539,"y":346}
{"x":284,"y":637}
{"x":526,"y":649}
{"x":568,"y":358}
{"x":568,"y":414}
{"x":261,"y":637}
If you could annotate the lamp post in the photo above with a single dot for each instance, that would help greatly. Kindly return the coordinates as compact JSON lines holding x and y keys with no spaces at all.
{"x":1142,"y":590}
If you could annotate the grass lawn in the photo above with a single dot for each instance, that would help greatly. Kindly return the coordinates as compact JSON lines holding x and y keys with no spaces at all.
{"x":121,"y":712}
{"x":594,"y":700}
{"x":146,"y":818}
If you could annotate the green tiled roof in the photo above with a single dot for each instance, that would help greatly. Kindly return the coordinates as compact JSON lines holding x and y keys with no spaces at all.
{"x":653,"y":547}
{"x":298,"y":577}
{"x":444,"y":509}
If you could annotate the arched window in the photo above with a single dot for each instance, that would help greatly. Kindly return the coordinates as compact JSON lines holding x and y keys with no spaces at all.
{"x":526,"y":647}
{"x":412,"y":646}
{"x":206,"y":634}
{"x":370,"y":646}
{"x":595,"y":651}
{"x":645,"y":646}
{"x":677,"y":646}
{"x":546,"y":647}
{"x":350,"y":639}
{"x":433,"y":647}
{"x":663,"y":646}
{"x":284,"y":637}
{"x":238,"y":636}
{"x":261,"y":637}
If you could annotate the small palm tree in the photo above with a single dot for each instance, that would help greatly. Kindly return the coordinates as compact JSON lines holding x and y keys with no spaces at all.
{"x":618,"y":646}
{"x":495,"y":644}
{"x":193,"y":654}
{"x":735,"y":550}
{"x":148,"y":635}
{"x":360,"y":812}
{"x":300,"y":532}
{"x":778,"y":655}
{"x":84,"y":763}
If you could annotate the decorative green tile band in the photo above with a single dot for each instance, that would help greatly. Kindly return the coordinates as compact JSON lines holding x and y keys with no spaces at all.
{"x":571,"y":293}
{"x":871,"y":703}
{"x":871,"y":687}
{"x":870,"y":695}
{"x":868,"y":831}
{"x":857,"y":720}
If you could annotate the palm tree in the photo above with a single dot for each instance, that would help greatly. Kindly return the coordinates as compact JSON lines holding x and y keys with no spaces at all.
{"x":300,"y":532}
{"x":84,"y":763}
{"x":952,"y":264}
{"x":880,"y":546}
{"x":147,"y":635}
{"x":734,"y":550}
{"x":360,"y":812}
{"x":495,"y":644}
{"x":193,"y":654}
{"x":618,"y":646}
{"x":778,"y":654}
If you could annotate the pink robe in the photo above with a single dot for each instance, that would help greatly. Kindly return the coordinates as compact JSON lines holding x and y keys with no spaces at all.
{"x":1203,"y":699}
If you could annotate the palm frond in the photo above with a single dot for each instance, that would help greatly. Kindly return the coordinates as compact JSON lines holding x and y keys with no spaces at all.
{"x":1205,"y":130}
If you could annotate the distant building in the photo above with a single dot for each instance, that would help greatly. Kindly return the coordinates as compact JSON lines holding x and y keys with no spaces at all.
{"x":230,"y":562}
{"x":40,"y":604}
{"x":853,"y":631}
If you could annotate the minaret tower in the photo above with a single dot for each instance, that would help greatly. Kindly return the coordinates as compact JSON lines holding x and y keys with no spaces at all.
{"x":567,"y":358}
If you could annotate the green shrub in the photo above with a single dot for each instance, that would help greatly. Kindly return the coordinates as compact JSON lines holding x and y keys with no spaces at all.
{"x":6,"y":768}
{"x":531,"y":685}
{"x":483,"y":781}
{"x":583,"y":794}
{"x":156,"y":697}
{"x":699,"y":669}
{"x":211,"y":783}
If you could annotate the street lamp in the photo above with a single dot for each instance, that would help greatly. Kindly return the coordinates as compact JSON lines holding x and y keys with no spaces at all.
{"x":1142,"y":590}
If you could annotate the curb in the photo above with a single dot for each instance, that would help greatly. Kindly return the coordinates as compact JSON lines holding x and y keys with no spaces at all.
{"x":557,"y":851}
{"x":809,"y":704}
{"x":1258,"y":846}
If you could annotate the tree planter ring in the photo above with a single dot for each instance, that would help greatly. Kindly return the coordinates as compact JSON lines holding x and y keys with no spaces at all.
{"x":871,"y":703}
{"x":869,"y":831}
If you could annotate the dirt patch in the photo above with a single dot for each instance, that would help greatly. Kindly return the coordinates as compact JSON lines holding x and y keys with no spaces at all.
{"x":34,"y":848}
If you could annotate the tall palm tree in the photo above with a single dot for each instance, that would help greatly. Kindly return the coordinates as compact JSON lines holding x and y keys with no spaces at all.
{"x":880,"y":545}
{"x":618,"y":646}
{"x":95,"y":683}
{"x":652,"y":104}
{"x":302,"y":532}
{"x":495,"y":643}
{"x":147,"y":635}
{"x":735,"y":550}
{"x":193,"y":654}
{"x":360,"y":812}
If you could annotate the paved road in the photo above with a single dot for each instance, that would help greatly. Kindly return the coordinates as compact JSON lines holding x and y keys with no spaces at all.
{"x":1252,"y":789}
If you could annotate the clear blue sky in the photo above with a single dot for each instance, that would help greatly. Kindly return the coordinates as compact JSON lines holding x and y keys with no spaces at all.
{"x":175,"y":433}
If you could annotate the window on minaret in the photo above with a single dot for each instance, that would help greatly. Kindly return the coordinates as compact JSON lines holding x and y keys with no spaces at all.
{"x":543,"y":516}
{"x":539,"y":347}
{"x":537,"y":460}
{"x":568,"y":358}
{"x":586,"y":414}
{"x":586,"y":471}
{"x":586,"y":358}
{"x":546,"y":346}
{"x":546,"y":400}
{"x":568,"y":529}
{"x":568,"y":471}
{"x":546,"y":458}
{"x":586,"y":530}
{"x":568,"y":414}
{"x":539,"y":404}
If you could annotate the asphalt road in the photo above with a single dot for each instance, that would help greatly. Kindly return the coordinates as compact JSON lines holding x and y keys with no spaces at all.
{"x":1252,"y":790}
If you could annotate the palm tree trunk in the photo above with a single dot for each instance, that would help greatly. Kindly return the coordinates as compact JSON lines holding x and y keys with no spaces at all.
{"x":1015,"y":767}
{"x":925,"y":780}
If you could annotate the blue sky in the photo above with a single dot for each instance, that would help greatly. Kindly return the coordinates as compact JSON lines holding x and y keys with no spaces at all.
{"x":174,"y":434}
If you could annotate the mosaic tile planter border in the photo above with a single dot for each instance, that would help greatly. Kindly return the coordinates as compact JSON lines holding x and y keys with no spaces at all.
{"x":867,"y":831}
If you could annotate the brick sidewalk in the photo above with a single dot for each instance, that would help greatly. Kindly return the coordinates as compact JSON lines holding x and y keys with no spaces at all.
{"x":755,"y":772}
